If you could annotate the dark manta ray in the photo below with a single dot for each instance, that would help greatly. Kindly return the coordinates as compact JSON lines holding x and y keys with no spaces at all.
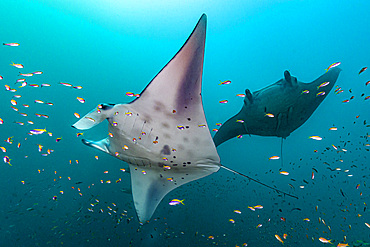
{"x":162,"y":135}
{"x":278,"y":109}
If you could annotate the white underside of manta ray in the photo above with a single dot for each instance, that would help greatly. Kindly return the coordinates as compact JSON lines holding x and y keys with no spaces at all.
{"x":162,"y":135}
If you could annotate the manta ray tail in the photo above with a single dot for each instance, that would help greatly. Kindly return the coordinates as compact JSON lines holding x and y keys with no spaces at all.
{"x":281,"y":151}
{"x":241,"y":174}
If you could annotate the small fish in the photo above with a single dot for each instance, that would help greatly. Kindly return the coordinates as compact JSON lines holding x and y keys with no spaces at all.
{"x":284,"y":173}
{"x":232,"y":221}
{"x":37,"y":72}
{"x":325,"y":241}
{"x":223,"y":101}
{"x":1,"y":77}
{"x":305,"y":92}
{"x":81,"y":100}
{"x":362,"y":70}
{"x":274,"y":158}
{"x":11,"y":44}
{"x":278,"y":238}
{"x":285,"y":235}
{"x":65,"y":84}
{"x":342,"y":245}
{"x":45,"y":85}
{"x":258,"y":207}
{"x":9,"y":140}
{"x":176,"y":202}
{"x":1,"y":121}
{"x":333,"y":65}
{"x":320,"y":93}
{"x":224,"y":82}
{"x":313,"y":176}
{"x":237,"y":211}
{"x":240,"y":121}
{"x":33,"y":85}
{"x":3,"y":149}
{"x":26,"y":74}
{"x":180,"y":127}
{"x":17,"y":65}
{"x":77,"y":87}
{"x":20,"y":80}
{"x":7,"y":160}
{"x":269,"y":115}
{"x":306,"y":219}
{"x":39,"y":101}
{"x":130,"y":94}
{"x":37,"y":131}
{"x":367,"y":224}
{"x":242,"y":95}
{"x":259,"y":225}
{"x":76,"y":115}
{"x":317,"y":138}
{"x":58,"y":139}
{"x":367,"y":83}
{"x":333,"y":128}
{"x":14,"y":108}
{"x":91,"y":119}
{"x":323,"y":84}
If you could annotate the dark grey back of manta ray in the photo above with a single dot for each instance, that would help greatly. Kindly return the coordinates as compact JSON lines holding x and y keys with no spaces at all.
{"x":286,"y":99}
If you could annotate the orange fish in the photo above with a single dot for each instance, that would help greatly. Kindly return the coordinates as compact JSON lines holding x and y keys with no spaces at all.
{"x":362,"y":70}
{"x":278,"y":238}
{"x":342,"y":245}
{"x":81,"y":100}
{"x":333,"y":65}
{"x":224,"y":82}
{"x":11,"y":44}
{"x":325,"y":241}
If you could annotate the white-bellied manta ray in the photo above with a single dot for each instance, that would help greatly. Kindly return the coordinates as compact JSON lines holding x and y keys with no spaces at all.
{"x":278,"y":109}
{"x":163,"y":134}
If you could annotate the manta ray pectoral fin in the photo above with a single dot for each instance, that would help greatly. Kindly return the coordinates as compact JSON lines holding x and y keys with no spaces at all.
{"x":94,"y":117}
{"x":230,"y":129}
{"x":102,"y":145}
{"x":150,"y":184}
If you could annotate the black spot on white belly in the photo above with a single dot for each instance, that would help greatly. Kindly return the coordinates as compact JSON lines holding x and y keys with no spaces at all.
{"x":166,"y":150}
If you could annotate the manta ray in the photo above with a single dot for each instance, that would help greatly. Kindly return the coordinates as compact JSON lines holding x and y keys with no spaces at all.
{"x":278,"y":109}
{"x":163,"y":135}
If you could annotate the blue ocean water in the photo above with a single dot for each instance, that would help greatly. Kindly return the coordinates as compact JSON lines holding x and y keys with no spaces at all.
{"x":110,"y":48}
